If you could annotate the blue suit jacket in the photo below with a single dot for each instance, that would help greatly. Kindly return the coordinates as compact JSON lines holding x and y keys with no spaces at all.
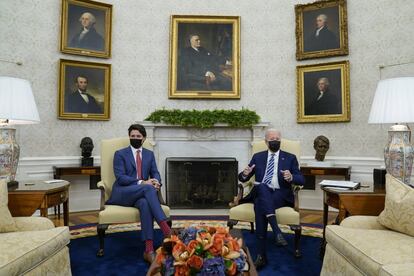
{"x":126,"y":173}
{"x":287,"y":161}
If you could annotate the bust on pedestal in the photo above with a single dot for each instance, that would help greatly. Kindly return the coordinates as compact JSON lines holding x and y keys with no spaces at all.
{"x":321,"y":145}
{"x":87,"y":146}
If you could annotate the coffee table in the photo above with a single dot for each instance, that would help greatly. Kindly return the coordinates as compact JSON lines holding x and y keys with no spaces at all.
{"x":29,"y":196}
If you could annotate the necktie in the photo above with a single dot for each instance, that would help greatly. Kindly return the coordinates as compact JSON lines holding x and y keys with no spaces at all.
{"x":269,"y":171}
{"x":139,"y":165}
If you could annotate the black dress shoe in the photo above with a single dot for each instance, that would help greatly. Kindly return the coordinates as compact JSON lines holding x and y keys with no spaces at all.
{"x":149,"y":257}
{"x":280,"y":241}
{"x":260,"y":262}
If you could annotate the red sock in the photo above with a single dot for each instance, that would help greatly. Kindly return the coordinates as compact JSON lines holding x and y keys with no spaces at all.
{"x":166,"y":230}
{"x":149,"y":246}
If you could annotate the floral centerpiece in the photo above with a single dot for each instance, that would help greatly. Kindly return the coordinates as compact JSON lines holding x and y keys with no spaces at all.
{"x":201,"y":250}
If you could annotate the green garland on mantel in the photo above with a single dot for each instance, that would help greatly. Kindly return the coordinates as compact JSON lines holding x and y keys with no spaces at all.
{"x":205,"y":118}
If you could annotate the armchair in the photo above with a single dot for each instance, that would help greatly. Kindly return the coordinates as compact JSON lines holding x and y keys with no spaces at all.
{"x":284,"y":215}
{"x":31,"y":245}
{"x":111,"y":214}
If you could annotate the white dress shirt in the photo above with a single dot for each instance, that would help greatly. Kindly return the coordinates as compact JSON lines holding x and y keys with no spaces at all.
{"x":275,"y":179}
{"x":84,"y":96}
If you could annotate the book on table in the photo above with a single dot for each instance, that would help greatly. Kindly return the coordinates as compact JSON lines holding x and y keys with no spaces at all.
{"x":337,"y":184}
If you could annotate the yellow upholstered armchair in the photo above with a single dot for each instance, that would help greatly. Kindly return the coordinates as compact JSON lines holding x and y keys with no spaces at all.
{"x":285,"y":215}
{"x":31,"y":245}
{"x":111,"y":214}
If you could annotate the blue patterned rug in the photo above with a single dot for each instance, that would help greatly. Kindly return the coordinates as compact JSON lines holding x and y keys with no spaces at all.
{"x":123,"y":250}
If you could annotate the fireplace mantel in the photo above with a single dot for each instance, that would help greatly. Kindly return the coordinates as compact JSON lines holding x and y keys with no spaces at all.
{"x":161,"y":132}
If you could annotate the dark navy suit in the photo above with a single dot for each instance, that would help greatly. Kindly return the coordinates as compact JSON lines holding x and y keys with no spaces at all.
{"x":127,"y":192}
{"x":266,"y":199}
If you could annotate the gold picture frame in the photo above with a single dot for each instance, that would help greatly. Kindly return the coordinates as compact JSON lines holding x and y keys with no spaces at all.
{"x":204,"y":57}
{"x":86,"y":28}
{"x":84,"y":90}
{"x":323,"y":93}
{"x":321,"y":29}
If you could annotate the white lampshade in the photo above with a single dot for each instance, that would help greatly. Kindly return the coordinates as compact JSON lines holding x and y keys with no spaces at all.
{"x":393,"y":101}
{"x":17,"y":102}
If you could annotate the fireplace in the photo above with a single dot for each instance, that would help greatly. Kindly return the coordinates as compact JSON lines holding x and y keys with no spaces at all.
{"x":200,"y":183}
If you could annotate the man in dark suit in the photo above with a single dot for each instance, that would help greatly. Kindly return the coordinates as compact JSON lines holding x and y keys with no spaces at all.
{"x":198,"y":69}
{"x":321,"y":38}
{"x":80,"y":101}
{"x":274,"y":171}
{"x":136,"y":185}
{"x":88,"y":37}
{"x":324,"y":102}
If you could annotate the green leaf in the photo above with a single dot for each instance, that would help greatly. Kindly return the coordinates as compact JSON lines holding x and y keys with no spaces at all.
{"x":205,"y":118}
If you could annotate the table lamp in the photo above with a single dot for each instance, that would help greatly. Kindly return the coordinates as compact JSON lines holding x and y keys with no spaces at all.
{"x":17,"y":107}
{"x":394,"y":104}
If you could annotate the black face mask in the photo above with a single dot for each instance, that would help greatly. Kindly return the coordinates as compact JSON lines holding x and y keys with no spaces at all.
{"x":136,"y":143}
{"x":274,"y":145}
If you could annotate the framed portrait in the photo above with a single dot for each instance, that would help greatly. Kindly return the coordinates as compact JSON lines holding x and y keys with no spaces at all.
{"x":323,"y":93}
{"x":86,"y":28}
{"x":321,"y":29}
{"x":204,"y":57}
{"x":84,"y":90}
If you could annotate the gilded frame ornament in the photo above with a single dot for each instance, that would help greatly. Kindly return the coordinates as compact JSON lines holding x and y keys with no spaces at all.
{"x":94,"y":41}
{"x":321,"y":29}
{"x":331,"y":105}
{"x":209,"y":69}
{"x":94,"y":101}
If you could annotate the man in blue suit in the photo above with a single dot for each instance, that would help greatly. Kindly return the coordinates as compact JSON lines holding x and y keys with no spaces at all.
{"x":274,"y":171}
{"x":136,"y":185}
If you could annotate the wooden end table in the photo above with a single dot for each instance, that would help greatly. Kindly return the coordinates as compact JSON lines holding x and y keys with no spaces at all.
{"x":94,"y":173}
{"x":29,"y":196}
{"x":368,"y":201}
{"x":310,"y":172}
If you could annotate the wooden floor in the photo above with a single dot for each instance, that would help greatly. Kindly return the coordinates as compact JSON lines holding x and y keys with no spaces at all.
{"x":307,"y":216}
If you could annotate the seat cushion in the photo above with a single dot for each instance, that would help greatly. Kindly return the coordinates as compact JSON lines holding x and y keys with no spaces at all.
{"x":245,"y":212}
{"x":362,"y":222}
{"x":21,"y":251}
{"x":398,"y":213}
{"x":369,"y":250}
{"x":397,"y":269}
{"x":120,"y":214}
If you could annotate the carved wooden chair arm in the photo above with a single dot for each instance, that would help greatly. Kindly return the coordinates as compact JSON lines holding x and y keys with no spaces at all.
{"x":102,"y":189}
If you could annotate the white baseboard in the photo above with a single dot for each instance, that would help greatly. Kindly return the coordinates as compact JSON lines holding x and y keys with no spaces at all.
{"x":81,"y":198}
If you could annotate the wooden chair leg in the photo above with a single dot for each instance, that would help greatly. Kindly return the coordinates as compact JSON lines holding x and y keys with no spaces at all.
{"x":101,"y":228}
{"x":169,"y":222}
{"x":298,"y":233}
{"x":252,"y":227}
{"x":231,"y":223}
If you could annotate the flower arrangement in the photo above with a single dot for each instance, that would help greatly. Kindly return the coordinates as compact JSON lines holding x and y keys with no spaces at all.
{"x":201,"y":250}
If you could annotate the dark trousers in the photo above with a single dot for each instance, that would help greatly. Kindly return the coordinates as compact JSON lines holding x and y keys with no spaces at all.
{"x":266,"y":201}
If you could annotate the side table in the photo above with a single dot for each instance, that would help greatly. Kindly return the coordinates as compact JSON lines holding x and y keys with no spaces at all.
{"x":93,"y":172}
{"x":310,"y":172}
{"x":29,"y":196}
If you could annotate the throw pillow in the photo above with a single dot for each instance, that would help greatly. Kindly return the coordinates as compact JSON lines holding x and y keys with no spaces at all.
{"x":7,"y":223}
{"x":398,"y":213}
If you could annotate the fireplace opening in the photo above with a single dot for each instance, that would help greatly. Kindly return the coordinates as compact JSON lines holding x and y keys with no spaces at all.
{"x":200,"y":183}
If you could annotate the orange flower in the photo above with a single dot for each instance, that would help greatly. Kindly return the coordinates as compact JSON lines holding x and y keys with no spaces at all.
{"x":191,"y":246}
{"x":205,"y":239}
{"x":195,"y":261}
{"x":232,"y":270}
{"x":233,"y":244}
{"x":217,"y":246}
{"x":180,"y":252}
{"x":181,"y":270}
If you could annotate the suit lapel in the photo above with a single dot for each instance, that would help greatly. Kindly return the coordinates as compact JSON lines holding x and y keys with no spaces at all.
{"x":130,"y":157}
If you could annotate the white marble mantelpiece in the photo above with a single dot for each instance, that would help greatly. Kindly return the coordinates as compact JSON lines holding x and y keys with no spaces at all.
{"x":218,"y":141}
